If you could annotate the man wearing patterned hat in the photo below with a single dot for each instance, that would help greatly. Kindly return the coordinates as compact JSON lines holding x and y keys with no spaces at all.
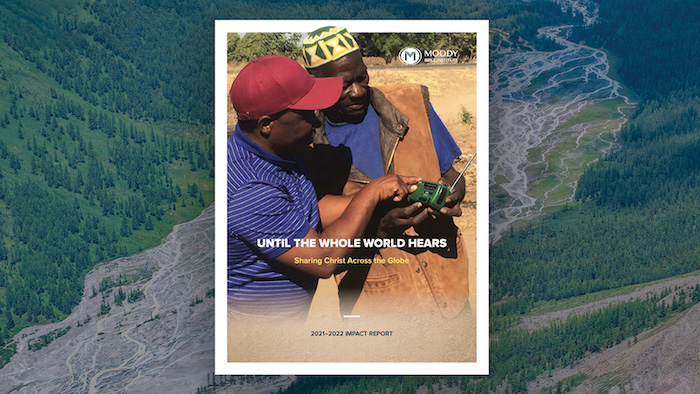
{"x":370,"y":132}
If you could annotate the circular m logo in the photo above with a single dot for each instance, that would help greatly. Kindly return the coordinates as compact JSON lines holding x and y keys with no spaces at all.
{"x":410,"y":56}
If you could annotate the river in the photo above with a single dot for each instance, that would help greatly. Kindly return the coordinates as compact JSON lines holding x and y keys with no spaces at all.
{"x":551,"y":115}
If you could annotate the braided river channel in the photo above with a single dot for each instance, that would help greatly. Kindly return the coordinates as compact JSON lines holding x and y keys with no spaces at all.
{"x":551,"y":115}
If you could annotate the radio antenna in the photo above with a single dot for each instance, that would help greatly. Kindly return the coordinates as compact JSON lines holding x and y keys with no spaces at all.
{"x":462,"y":173}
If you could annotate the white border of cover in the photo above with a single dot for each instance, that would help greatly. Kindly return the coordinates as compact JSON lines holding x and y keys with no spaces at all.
{"x":480,"y":367}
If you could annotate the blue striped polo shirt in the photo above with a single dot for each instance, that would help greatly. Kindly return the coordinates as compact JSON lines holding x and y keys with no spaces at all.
{"x":268,"y":198}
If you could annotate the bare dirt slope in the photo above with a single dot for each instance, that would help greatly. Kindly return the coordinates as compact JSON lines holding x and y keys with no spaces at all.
{"x":664,"y":359}
{"x":640,"y":291}
{"x":162,"y":342}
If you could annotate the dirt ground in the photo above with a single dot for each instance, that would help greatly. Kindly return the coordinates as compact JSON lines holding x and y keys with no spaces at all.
{"x":452,"y":92}
{"x":663,"y":359}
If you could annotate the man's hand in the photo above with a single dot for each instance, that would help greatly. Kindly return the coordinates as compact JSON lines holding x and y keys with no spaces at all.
{"x":397,"y":220}
{"x":452,"y":201}
{"x":394,"y":187}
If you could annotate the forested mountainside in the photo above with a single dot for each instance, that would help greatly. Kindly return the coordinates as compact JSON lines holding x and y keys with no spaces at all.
{"x":637,"y":210}
{"x":655,"y":43}
{"x":100,"y":153}
{"x":638,"y":207}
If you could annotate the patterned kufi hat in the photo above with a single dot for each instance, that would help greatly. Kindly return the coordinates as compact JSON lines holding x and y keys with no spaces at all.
{"x":327,"y":44}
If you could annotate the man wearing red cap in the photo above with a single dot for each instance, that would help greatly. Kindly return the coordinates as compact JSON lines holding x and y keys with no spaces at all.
{"x":272,"y":206}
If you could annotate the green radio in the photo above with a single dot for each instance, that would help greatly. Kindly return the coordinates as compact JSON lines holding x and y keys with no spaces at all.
{"x":433,"y":194}
{"x":430,"y":194}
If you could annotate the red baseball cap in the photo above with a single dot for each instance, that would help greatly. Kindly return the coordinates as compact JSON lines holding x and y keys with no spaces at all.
{"x":273,"y":83}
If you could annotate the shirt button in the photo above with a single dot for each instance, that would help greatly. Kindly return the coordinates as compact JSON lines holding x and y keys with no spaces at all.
{"x":417,"y":269}
{"x":399,"y":127}
{"x":425,"y":264}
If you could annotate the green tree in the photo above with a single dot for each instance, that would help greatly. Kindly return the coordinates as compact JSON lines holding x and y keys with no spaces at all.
{"x":193,"y":190}
{"x":10,"y":319}
{"x":125,"y":228}
{"x":254,"y":45}
{"x":232,"y":41}
{"x":149,"y":223}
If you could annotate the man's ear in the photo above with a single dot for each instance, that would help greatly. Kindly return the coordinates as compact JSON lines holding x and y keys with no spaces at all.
{"x":264,"y":126}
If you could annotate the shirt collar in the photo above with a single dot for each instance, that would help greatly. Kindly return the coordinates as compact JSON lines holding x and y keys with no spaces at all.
{"x":246,"y":143}
{"x":370,"y":114}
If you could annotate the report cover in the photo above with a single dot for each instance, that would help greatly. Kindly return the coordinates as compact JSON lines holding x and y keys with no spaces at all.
{"x":404,"y":299}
